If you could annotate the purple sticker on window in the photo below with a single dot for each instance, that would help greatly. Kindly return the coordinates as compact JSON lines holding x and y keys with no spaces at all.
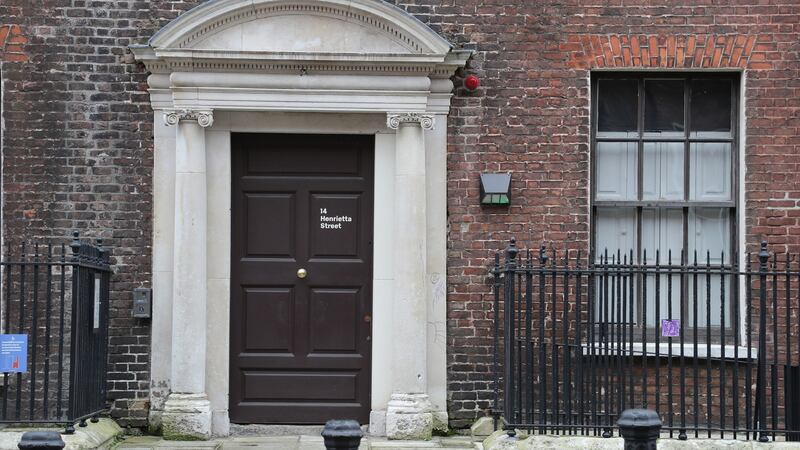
{"x":670,"y":328}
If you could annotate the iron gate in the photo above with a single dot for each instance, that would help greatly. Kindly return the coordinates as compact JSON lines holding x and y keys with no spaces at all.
{"x":58,"y":297}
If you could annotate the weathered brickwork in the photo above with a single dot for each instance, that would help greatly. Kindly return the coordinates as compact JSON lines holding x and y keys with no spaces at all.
{"x":12,"y":43}
{"x":78,"y":138}
{"x":77,"y":147}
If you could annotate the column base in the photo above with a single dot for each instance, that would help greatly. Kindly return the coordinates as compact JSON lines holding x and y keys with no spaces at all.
{"x":220,"y":423}
{"x":158,"y":395}
{"x":377,"y":423}
{"x":186,"y":417}
{"x":409,"y":417}
{"x":440,"y":422}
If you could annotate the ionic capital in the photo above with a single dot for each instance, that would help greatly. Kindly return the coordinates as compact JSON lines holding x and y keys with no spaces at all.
{"x":426,"y":121}
{"x":203,"y":118}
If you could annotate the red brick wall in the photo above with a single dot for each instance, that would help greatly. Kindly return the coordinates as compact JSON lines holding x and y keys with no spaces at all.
{"x":531,"y":117}
{"x":78,"y":141}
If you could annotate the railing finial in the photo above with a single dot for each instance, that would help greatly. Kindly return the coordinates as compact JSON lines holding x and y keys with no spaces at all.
{"x":511,"y":252}
{"x":75,"y":245}
{"x":763,"y":255}
{"x":543,"y":254}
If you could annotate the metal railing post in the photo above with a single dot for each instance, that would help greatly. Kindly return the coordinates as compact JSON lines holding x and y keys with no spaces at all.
{"x":763,"y":258}
{"x":496,"y":343}
{"x":509,"y":279}
{"x":640,"y":428}
{"x":342,"y":435}
{"x":41,"y":440}
{"x":77,"y":257}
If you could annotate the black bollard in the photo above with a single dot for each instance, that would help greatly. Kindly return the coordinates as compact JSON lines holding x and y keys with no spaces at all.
{"x":41,"y":439}
{"x":640,"y":428}
{"x":342,"y":435}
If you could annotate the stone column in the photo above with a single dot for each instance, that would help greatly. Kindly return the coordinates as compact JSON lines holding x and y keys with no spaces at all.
{"x":408,"y":414}
{"x":187,"y":412}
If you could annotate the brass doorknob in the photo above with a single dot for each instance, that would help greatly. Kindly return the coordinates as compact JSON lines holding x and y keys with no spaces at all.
{"x":301,"y":273}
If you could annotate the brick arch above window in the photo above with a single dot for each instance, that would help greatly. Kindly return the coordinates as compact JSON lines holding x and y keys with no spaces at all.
{"x":693,"y":51}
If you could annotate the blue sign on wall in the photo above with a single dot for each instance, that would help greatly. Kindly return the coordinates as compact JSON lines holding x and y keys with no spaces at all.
{"x":13,"y":352}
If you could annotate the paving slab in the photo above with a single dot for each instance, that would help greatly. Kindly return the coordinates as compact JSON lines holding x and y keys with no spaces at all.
{"x":95,"y":435}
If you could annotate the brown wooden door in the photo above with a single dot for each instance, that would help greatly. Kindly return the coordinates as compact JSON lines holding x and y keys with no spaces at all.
{"x":300,"y":347}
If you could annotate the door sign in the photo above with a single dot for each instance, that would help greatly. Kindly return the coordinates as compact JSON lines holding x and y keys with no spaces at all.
{"x":332,"y":222}
{"x":13,"y":353}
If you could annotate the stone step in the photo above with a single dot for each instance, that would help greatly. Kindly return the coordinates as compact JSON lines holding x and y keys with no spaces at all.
{"x":274,"y":430}
{"x":291,"y":442}
{"x":152,"y":443}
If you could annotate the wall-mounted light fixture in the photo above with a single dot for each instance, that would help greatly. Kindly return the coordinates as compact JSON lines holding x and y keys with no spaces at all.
{"x":496,"y":189}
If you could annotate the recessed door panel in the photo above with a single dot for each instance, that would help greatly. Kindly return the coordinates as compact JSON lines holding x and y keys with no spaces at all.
{"x":335,"y":230}
{"x":301,"y":386}
{"x":317,"y":156}
{"x":270,"y":225}
{"x":334,"y":320}
{"x":268,"y":317}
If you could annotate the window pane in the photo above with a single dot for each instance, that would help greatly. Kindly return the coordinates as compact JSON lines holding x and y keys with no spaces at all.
{"x":615,"y":234}
{"x":711,"y":108}
{"x":709,"y":237}
{"x":616,"y":230}
{"x":662,"y":241}
{"x":710,"y":171}
{"x":615,"y":177}
{"x":662,"y":231}
{"x":617,"y":105}
{"x":663,"y":171}
{"x":710,"y":233}
{"x":663,"y":105}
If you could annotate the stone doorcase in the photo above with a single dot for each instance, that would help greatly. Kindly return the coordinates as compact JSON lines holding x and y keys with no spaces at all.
{"x":289,"y":66}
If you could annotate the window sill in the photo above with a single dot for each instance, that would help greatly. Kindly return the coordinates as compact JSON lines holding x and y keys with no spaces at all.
{"x":716,"y":350}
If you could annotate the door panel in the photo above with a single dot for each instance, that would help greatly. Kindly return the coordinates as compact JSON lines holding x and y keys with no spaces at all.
{"x":259,"y":241}
{"x":300,"y":347}
{"x":268,"y":314}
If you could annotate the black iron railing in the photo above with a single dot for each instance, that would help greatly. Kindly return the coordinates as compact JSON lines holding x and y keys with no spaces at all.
{"x":713,"y":347}
{"x":57,"y":297}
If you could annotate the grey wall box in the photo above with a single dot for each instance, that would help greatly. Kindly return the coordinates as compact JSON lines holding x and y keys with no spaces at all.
{"x":142,"y":306}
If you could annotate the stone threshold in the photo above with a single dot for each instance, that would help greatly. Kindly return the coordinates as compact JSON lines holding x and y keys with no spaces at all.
{"x":102,"y":435}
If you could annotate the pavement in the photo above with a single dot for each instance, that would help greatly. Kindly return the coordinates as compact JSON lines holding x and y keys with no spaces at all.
{"x":290,"y":443}
{"x":95,"y":435}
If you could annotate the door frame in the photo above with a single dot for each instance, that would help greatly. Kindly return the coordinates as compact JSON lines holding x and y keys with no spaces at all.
{"x":219,"y":184}
{"x":202,"y":79}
